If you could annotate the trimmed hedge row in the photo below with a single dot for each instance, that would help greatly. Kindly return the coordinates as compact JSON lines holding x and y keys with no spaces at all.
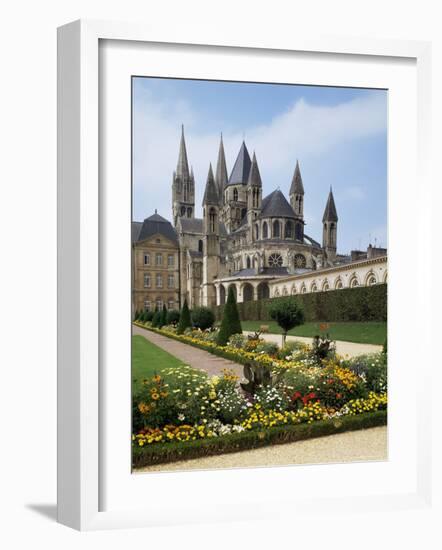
{"x":363,"y":303}
{"x":161,"y":453}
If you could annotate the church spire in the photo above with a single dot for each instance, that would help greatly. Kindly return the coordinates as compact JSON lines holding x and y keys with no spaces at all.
{"x":211,"y":192}
{"x":254,"y":175}
{"x":297,"y":188}
{"x":221,"y":170}
{"x":182,"y":169}
{"x":330,"y":213}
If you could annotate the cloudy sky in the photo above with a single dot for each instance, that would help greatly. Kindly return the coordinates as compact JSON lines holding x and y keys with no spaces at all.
{"x":339,"y":136}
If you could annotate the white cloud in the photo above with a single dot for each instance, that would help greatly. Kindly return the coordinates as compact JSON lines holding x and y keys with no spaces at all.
{"x":305,"y":130}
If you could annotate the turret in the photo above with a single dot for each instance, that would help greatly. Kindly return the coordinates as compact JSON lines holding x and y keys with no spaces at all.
{"x":183,"y":185}
{"x":330,"y":227}
{"x":211,"y":253}
{"x":297,"y":193}
{"x":254,"y":199}
{"x":221,"y":172}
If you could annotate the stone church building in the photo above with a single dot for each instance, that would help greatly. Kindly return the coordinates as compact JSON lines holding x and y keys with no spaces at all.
{"x":243,"y":240}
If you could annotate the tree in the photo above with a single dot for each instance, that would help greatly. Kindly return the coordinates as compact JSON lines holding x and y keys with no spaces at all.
{"x":173,"y":316}
{"x":156,"y":319}
{"x":230,"y":323}
{"x":288,"y":313}
{"x":163,"y":316}
{"x":203,"y":318}
{"x":184,"y":319}
{"x":148,"y":316}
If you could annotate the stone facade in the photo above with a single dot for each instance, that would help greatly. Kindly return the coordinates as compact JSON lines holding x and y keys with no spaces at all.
{"x":155,"y":265}
{"x":257,"y":245}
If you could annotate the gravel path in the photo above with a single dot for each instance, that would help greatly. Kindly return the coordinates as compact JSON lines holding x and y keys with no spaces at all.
{"x":350,"y":349}
{"x":194,"y":357}
{"x":357,"y":446}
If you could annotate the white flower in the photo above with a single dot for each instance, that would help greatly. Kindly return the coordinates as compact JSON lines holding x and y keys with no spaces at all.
{"x":181,"y":417}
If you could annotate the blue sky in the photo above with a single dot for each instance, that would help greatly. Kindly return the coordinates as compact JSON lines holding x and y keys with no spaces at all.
{"x":339,"y":136}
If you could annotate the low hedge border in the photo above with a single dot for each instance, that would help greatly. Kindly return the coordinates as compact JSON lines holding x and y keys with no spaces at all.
{"x":162,"y":453}
{"x":214,"y":351}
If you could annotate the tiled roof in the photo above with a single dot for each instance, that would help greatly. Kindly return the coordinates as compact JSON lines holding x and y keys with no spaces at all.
{"x":241,"y":168}
{"x":276,"y":205}
{"x":157,"y":224}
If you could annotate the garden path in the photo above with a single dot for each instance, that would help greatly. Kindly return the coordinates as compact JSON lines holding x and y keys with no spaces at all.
{"x":356,"y":446}
{"x":350,"y":349}
{"x":194,"y":357}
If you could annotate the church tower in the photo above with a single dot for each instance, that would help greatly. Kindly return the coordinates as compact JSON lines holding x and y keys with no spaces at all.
{"x":183,"y":186}
{"x":330,"y":227}
{"x":297,"y":202}
{"x":211,"y":250}
{"x":254,"y":199}
{"x":221,"y":173}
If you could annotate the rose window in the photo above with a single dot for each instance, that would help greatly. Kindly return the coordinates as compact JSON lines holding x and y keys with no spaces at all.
{"x":275,"y":260}
{"x":300,"y":261}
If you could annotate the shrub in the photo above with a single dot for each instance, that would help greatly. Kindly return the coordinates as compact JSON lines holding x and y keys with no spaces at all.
{"x":230,"y":323}
{"x":148,"y":316}
{"x":270,"y":348}
{"x":163,"y":317}
{"x":184,"y":322}
{"x":288,"y":314}
{"x":156,"y":319}
{"x":173,"y":316}
{"x":202,"y":318}
{"x":373,"y":368}
{"x":237,"y":341}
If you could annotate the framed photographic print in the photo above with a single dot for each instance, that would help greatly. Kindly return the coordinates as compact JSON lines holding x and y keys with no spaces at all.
{"x":231,"y":253}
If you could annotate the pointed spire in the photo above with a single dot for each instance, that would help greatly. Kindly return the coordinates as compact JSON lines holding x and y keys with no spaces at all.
{"x":221,"y":168}
{"x":241,"y":168}
{"x":211,"y":192}
{"x":182,"y":169}
{"x":330,"y":214}
{"x":297,"y":188}
{"x":254,"y":175}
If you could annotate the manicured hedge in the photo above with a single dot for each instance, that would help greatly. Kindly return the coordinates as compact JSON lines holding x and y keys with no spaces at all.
{"x":364,"y":303}
{"x":161,"y":453}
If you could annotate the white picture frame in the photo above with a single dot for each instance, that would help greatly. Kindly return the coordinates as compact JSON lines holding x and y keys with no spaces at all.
{"x":80,"y":207}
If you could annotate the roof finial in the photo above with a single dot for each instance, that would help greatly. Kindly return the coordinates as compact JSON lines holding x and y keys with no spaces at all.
{"x":156,"y":211}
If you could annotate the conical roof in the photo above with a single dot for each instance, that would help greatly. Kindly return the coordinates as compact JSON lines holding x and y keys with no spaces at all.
{"x":330,"y":214}
{"x":254,"y":175}
{"x":276,"y":205}
{"x":211,"y":192}
{"x":297,"y":188}
{"x":241,"y":168}
{"x":221,"y":169}
{"x":182,"y":168}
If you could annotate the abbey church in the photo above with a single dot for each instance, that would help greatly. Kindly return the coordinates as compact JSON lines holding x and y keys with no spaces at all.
{"x":243,"y":240}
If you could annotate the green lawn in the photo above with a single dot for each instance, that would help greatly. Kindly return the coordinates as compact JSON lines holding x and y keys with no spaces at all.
{"x":369,"y":332}
{"x":148,"y":359}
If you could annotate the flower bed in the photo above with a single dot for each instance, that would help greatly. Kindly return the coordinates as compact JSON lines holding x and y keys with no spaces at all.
{"x":285,"y":389}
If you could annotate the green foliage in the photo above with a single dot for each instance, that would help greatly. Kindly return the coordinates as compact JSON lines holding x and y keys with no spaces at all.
{"x":148,"y":316}
{"x":270,"y":348}
{"x":363,"y":303}
{"x":323,"y":348}
{"x":156,"y":319}
{"x":163,"y":317}
{"x":373,"y":367}
{"x":202,"y":318}
{"x":173,"y":316}
{"x":230,"y":323}
{"x":288,"y":313}
{"x":185,"y":321}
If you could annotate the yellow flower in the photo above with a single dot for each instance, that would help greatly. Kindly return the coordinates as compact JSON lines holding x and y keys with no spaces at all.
{"x":155,"y":396}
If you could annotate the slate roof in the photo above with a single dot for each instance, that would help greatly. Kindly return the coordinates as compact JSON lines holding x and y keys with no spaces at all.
{"x":221,"y":177}
{"x":241,"y":168}
{"x":266,"y":271}
{"x":297,"y":188}
{"x":311,"y":241}
{"x":195,"y":225}
{"x":276,"y":205}
{"x":182,"y":168}
{"x":254,"y":175}
{"x":330,"y":214}
{"x":136,"y":228}
{"x":157,"y":224}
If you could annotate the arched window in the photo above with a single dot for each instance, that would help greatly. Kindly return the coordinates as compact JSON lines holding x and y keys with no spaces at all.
{"x":235,"y":194}
{"x":248,"y":262}
{"x":183,"y":211}
{"x":298,"y":232}
{"x":303,"y":289}
{"x":325,"y":286}
{"x":243,"y":212}
{"x":338,"y":284}
{"x":300,"y":261}
{"x":371,"y":280}
{"x":200,"y":246}
{"x":256,"y":231}
{"x":288,"y":230}
{"x":313,"y":287}
{"x":186,"y":192}
{"x":265,"y":231}
{"x":275,"y":260}
{"x":276,"y":229}
{"x":212,"y":220}
{"x":332,"y":234}
{"x":354,"y":282}
{"x":293,"y":291}
{"x":285,"y":291}
{"x":189,"y":212}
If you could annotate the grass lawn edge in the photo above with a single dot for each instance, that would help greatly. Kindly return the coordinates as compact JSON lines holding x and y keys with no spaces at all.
{"x":163,"y":453}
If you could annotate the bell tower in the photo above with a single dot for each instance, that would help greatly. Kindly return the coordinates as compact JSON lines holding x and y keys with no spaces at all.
{"x":183,"y":186}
